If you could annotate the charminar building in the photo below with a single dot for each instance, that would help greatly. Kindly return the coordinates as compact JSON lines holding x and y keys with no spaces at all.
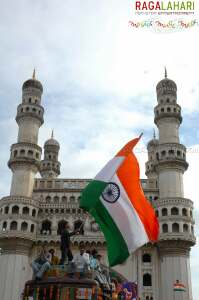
{"x":36,"y":209}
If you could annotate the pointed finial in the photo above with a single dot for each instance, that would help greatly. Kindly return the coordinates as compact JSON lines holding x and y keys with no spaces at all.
{"x":33,"y":74}
{"x":154,"y":135}
{"x":165,"y":72}
{"x":52,"y":134}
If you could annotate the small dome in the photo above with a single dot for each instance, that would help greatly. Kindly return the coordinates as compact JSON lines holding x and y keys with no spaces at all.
{"x":152,"y":143}
{"x":166,"y":86}
{"x":33,"y":82}
{"x":51,"y":142}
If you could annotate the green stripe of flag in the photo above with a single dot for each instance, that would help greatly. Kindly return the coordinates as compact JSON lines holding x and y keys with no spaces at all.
{"x":90,"y":201}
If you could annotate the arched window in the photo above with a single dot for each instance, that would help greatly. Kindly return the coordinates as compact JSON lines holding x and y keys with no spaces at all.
{"x":162,"y":109}
{"x":164,"y":212}
{"x":147,"y":297}
{"x":72,"y":199}
{"x":61,"y":226}
{"x":34,"y":212}
{"x":22,"y":152}
{"x":13,"y":225}
{"x":168,"y":109}
{"x":32,"y":228}
{"x":174,"y":211}
{"x":184,"y":212}
{"x":25,"y":210}
{"x":191,"y":214}
{"x":24,"y":226}
{"x":165,"y":228}
{"x":48,"y":199}
{"x":6,"y":210}
{"x":64,"y":199}
{"x":146,"y":258}
{"x":40,"y":212}
{"x":56,"y":199}
{"x":175,"y":227}
{"x":15,"y":209}
{"x":4,"y":226}
{"x":46,"y":227}
{"x":15,"y":153}
{"x":163,"y":153}
{"x":79,"y":225}
{"x":171,"y":152}
{"x":185,"y":228}
{"x":178,"y":153}
{"x":30,"y":153}
{"x":147,"y":281}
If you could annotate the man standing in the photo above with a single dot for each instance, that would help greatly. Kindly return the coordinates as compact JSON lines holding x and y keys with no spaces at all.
{"x":80,"y":262}
{"x":65,"y":243}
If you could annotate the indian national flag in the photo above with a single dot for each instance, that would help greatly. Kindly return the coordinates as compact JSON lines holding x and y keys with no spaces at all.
{"x":179,"y":287}
{"x":116,"y":200}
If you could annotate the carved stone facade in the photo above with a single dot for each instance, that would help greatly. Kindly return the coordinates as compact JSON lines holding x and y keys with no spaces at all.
{"x":36,"y":209}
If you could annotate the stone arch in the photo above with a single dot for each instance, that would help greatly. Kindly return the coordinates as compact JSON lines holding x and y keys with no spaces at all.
{"x":175,"y":227}
{"x":13,"y":225}
{"x":185,"y":228}
{"x":72,"y":198}
{"x":56,"y":199}
{"x":48,"y":199}
{"x":6,"y":210}
{"x":33,"y":212}
{"x":4,"y":225}
{"x":25,"y":210}
{"x":165,"y":228}
{"x":24,"y":226}
{"x":32,"y":228}
{"x":174,"y":211}
{"x":147,"y":279}
{"x":30,"y":153}
{"x":15,"y":209}
{"x":184,"y":212}
{"x":146,"y":258}
{"x":164,"y":211}
{"x":64,"y":199}
{"x":22,"y":152}
{"x":46,"y":227}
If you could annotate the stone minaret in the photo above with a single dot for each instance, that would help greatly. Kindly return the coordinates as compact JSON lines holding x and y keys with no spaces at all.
{"x":19,"y":210}
{"x":50,"y":166}
{"x":167,"y":160}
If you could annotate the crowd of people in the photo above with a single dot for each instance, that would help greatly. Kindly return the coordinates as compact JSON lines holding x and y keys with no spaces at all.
{"x":82,"y":262}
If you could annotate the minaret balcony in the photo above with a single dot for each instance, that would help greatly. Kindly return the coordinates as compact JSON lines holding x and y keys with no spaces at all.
{"x":171,"y":155}
{"x":30,"y":110}
{"x":173,"y":201}
{"x":184,"y":236}
{"x":25,"y":153}
{"x":167,"y":111}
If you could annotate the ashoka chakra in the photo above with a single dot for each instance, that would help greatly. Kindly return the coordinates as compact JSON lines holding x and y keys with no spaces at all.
{"x":111,"y":192}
